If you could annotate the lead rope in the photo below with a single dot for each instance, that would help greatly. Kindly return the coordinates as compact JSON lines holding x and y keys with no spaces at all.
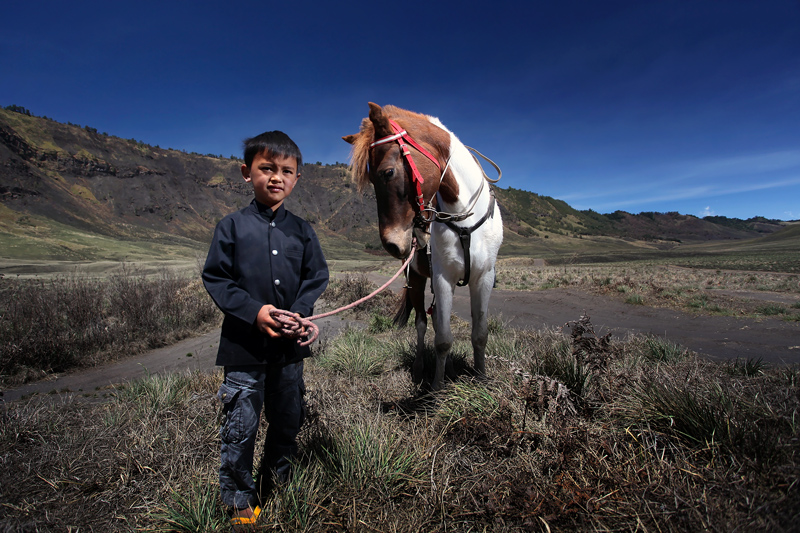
{"x":297,"y":327}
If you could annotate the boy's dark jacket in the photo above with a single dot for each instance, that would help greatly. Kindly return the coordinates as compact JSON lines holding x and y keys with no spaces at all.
{"x":260,"y":257}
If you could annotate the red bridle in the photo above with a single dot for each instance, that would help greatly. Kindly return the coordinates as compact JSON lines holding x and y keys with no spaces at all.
{"x":399,"y":135}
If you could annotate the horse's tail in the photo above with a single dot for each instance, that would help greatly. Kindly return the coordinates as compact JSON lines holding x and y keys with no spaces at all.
{"x":404,"y":307}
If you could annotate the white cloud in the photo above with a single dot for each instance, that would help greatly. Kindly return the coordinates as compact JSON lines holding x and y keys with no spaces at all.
{"x":648,"y":189}
{"x":707,"y":212}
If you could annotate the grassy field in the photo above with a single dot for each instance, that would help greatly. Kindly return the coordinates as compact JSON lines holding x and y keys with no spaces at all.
{"x":778,"y":252}
{"x":670,"y":284}
{"x":569,"y":432}
{"x":79,"y":303}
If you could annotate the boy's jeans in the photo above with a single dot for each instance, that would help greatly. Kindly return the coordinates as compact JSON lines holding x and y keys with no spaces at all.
{"x":243,"y":395}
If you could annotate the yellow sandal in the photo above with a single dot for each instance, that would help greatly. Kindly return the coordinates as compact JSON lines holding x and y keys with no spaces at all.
{"x":246,"y":520}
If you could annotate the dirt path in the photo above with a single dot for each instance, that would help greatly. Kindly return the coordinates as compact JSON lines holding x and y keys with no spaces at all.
{"x":718,"y":338}
{"x":198,"y":353}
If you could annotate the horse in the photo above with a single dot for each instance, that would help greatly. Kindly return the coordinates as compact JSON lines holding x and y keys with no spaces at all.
{"x":431,"y":193}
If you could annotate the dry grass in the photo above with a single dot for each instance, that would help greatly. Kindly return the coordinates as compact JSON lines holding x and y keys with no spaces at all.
{"x":707,"y":291}
{"x":352,"y":286}
{"x":56,"y":324}
{"x":81,"y":465}
{"x":571,"y":431}
{"x":654,"y":439}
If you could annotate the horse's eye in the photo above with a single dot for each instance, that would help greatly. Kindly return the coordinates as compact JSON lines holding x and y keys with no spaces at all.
{"x":387,"y":174}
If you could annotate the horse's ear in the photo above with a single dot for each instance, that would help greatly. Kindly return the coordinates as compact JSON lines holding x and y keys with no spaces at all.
{"x":379,"y":120}
{"x":350,"y":138}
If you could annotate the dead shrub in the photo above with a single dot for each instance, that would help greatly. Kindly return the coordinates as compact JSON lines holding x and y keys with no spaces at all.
{"x":54,"y":325}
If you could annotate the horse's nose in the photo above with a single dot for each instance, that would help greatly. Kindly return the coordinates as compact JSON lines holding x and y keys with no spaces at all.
{"x":393,"y":249}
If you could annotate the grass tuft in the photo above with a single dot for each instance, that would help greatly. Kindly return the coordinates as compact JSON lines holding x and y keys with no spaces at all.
{"x":155,"y":393}
{"x":367,"y":457}
{"x":658,"y":350}
{"x":558,"y":362}
{"x":771,"y":310}
{"x":197,"y":511}
{"x":351,"y":287}
{"x":354,"y":353}
{"x":750,"y":368}
{"x":635,"y":299}
{"x":496,"y":324}
{"x":378,"y":323}
{"x":467,"y":399}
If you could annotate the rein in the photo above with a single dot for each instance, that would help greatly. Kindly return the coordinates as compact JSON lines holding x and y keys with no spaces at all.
{"x":296,"y":327}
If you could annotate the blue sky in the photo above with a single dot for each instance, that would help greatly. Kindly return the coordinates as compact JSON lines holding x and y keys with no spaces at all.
{"x":690,"y":106}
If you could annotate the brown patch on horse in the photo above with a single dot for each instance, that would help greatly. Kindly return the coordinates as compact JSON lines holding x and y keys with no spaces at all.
{"x":413,"y":296}
{"x":419,"y":127}
{"x":449,"y":188}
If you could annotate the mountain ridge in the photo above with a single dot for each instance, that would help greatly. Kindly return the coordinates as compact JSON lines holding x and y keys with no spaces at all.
{"x":55,"y":173}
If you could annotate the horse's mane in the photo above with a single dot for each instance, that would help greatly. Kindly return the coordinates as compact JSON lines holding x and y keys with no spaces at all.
{"x":417,"y":124}
{"x":359,"y":154}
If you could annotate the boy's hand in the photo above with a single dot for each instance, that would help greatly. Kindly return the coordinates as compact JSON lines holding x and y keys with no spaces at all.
{"x":266,"y":324}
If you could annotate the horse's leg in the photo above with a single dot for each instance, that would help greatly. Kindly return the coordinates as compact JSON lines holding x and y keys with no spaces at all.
{"x":480,"y":290}
{"x":443,"y":340}
{"x":417,"y":295}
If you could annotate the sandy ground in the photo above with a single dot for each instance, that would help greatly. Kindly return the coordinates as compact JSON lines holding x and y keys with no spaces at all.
{"x":716,"y":337}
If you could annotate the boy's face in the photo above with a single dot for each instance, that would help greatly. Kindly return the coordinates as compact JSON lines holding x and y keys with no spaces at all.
{"x":273,"y":178}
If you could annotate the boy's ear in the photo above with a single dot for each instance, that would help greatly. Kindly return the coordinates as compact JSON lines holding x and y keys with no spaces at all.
{"x":246,"y":173}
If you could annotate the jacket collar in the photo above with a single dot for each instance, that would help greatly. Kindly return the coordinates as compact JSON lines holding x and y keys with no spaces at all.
{"x":267,"y":212}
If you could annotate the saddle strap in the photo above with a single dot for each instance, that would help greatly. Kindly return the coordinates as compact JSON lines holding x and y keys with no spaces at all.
{"x":465,"y":236}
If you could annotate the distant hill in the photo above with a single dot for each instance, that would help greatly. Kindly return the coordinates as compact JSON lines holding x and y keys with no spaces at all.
{"x":62,"y":183}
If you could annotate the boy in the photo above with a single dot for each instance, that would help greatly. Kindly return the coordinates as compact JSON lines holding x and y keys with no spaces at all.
{"x":261,"y":258}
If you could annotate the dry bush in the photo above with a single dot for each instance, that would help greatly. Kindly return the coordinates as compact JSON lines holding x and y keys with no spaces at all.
{"x":351,"y":287}
{"x":54,"y":325}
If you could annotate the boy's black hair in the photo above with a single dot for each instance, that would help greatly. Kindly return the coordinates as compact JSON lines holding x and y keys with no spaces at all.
{"x":271,"y":142}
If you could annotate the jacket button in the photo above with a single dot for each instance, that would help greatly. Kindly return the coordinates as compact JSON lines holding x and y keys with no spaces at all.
{"x":277,"y":282}
{"x":272,"y":224}
{"x":274,"y":252}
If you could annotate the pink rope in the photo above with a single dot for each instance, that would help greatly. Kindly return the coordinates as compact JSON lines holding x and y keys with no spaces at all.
{"x":294,"y":326}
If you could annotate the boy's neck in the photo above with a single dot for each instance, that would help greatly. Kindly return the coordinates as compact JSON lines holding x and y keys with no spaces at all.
{"x":265,"y":207}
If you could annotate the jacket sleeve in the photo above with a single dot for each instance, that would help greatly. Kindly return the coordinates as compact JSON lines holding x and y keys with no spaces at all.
{"x":219,"y":276}
{"x":313,"y":276}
